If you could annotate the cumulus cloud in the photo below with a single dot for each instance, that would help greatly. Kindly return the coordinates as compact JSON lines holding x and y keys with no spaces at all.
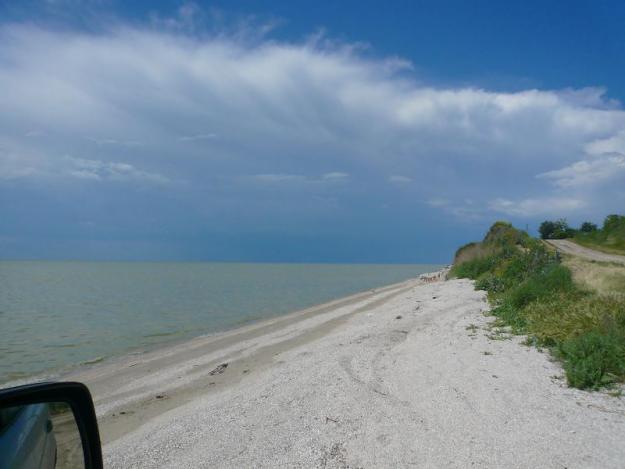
{"x":588,"y":172}
{"x":131,"y":101}
{"x":612,"y":144}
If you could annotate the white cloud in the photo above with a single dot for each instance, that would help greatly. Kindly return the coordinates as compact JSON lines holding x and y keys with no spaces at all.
{"x":192,"y":138}
{"x":277,"y":178}
{"x":112,"y":141}
{"x":99,"y":170}
{"x":303,"y":106}
{"x":588,"y":172}
{"x":13,"y":166}
{"x":282,"y":178}
{"x":399,"y":179}
{"x":438,"y":202}
{"x":552,"y":206}
{"x":335,"y":176}
{"x":612,"y":144}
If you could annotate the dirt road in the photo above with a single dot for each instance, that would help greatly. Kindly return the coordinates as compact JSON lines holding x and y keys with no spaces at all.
{"x":569,"y":247}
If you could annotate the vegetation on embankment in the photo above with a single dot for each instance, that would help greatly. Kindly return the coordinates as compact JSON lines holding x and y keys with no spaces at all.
{"x":534,"y":293}
{"x":609,"y":238}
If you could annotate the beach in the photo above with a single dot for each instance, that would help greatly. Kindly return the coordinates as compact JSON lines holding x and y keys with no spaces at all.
{"x":409,"y":375}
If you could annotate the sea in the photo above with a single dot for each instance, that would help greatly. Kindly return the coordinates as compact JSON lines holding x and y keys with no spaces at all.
{"x":55,"y":316}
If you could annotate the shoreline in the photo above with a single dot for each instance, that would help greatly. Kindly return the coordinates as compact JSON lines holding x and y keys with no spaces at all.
{"x":132,"y":388}
{"x":72,"y":369}
{"x":409,"y":375}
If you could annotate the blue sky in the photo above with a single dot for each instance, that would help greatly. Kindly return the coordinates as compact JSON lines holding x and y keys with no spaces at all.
{"x":303,"y":131}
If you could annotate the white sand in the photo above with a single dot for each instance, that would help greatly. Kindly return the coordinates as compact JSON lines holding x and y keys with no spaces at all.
{"x":354,"y":385}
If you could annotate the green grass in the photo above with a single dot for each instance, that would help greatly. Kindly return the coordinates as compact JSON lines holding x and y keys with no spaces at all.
{"x":610,"y":238}
{"x":473,"y":268}
{"x":534,"y":294}
{"x":593,"y":359}
{"x":609,"y":247}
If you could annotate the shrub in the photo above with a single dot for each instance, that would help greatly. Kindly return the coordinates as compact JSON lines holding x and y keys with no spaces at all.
{"x":546,"y":229}
{"x":588,"y":227}
{"x":558,"y":229}
{"x":511,"y":316}
{"x":474,"y":268}
{"x":490,"y":282}
{"x":610,"y":238}
{"x":613,"y":223}
{"x":503,"y":234}
{"x":555,"y":279}
{"x":593,"y":359}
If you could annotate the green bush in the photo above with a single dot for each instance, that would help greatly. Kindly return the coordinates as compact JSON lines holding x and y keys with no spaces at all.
{"x":490,"y":282}
{"x":593,"y":359}
{"x":556,"y":278}
{"x":610,"y":237}
{"x":511,"y":316}
{"x":558,"y":229}
{"x":473,"y":268}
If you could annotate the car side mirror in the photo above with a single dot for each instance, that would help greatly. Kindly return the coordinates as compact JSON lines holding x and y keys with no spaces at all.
{"x":49,"y":425}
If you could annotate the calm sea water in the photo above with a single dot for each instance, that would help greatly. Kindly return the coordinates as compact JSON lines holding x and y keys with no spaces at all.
{"x":54,"y":315}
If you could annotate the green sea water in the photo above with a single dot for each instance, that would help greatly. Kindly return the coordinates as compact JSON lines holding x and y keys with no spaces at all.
{"x":56,"y":315}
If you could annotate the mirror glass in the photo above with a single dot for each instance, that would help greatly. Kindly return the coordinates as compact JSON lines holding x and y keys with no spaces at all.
{"x":40,"y":436}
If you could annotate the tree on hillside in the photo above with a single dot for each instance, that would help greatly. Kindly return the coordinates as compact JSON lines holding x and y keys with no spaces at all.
{"x":613,"y":222}
{"x":558,"y":229}
{"x":547,"y":229}
{"x":588,"y":227}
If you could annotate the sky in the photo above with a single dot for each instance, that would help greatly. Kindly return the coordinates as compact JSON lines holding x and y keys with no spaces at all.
{"x":351,"y":131}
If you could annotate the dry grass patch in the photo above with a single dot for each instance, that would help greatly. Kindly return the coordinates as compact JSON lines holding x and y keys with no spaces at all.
{"x":602,"y":277}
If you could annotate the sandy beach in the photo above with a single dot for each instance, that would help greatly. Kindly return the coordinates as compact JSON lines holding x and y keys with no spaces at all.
{"x":408,"y":375}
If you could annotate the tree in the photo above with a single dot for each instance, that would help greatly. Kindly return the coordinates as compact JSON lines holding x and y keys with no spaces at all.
{"x":546,"y":229}
{"x":558,"y":229}
{"x":588,"y":227}
{"x":613,"y":222}
{"x":562,"y":229}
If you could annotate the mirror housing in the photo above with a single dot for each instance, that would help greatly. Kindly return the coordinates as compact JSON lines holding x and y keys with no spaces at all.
{"x":77,"y":396}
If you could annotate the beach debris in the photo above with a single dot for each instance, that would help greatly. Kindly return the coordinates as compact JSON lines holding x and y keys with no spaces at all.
{"x":246,"y":371}
{"x":160,"y":396}
{"x":219,"y":370}
{"x":329,"y":419}
{"x":399,"y":316}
